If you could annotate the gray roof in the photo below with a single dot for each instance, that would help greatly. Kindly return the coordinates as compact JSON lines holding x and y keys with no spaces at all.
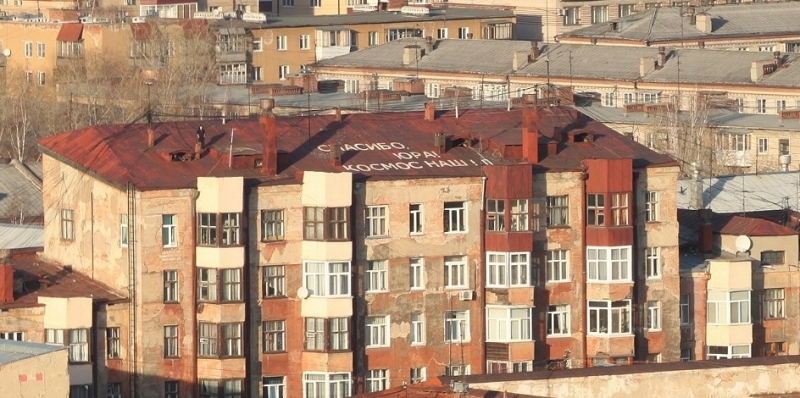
{"x":21,"y":236}
{"x":20,"y":190}
{"x":495,"y":57}
{"x":12,"y":351}
{"x":666,"y":24}
{"x":744,"y":193}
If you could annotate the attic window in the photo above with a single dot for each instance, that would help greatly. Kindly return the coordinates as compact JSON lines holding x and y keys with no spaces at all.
{"x":180,"y":156}
{"x":584,"y":137}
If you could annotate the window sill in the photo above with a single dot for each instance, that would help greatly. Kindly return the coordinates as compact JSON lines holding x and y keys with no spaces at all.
{"x":653,"y":279}
{"x":274,"y":352}
{"x":559,"y":281}
{"x":558,"y":227}
{"x":456,"y":288}
{"x":377,"y":237}
{"x":609,"y":335}
{"x":418,"y":344}
{"x":508,"y":286}
{"x":377,"y":346}
{"x":457,"y":342}
{"x":283,"y":296}
{"x":455,"y":232}
{"x":653,"y":222}
{"x":281,"y":240}
{"x":605,"y":282}
{"x":654,"y":330}
{"x":417,"y":289}
{"x":559,"y":336}
{"x":375,"y":291}
{"x":171,"y":302}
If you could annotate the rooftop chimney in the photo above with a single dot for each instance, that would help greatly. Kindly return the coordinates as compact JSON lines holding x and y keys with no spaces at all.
{"x":646,"y":65}
{"x":662,"y":56}
{"x":338,"y":114}
{"x":690,"y":15}
{"x":704,"y":23}
{"x":151,"y":137}
{"x":706,"y":233}
{"x":6,"y":277}
{"x":428,"y":45}
{"x":534,"y":50}
{"x":701,"y":44}
{"x":269,"y":161}
{"x":440,"y":142}
{"x":778,"y":59}
{"x":430,"y":111}
{"x":335,"y":155}
{"x":530,"y":134}
{"x":520,"y":60}
{"x":469,"y":36}
{"x":411,"y":55}
{"x":756,"y":71}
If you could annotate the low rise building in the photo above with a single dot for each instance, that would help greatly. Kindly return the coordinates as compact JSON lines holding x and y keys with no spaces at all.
{"x":29,"y":370}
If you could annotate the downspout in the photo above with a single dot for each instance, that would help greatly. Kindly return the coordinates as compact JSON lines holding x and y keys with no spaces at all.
{"x":244,"y":240}
{"x":704,"y":346}
{"x":584,"y":303}
{"x":195,"y":333}
{"x":481,"y":277}
{"x":91,"y":228}
{"x":97,"y":337}
{"x":637,"y":316}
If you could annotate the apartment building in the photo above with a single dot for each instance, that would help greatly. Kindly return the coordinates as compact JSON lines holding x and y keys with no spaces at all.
{"x":359,"y":252}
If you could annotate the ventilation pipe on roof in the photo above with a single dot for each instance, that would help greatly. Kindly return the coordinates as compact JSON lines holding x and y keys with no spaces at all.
{"x":338,"y":114}
{"x":269,"y":162}
{"x":534,"y":51}
{"x":662,"y":57}
{"x":704,"y":23}
{"x":778,"y":59}
{"x":430,"y":111}
{"x":691,"y":17}
{"x":428,"y":45}
{"x":151,"y":137}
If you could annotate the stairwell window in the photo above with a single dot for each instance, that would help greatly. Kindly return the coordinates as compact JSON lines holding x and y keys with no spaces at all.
{"x":67,"y":225}
{"x":171,"y":286}
{"x":652,"y":257}
{"x":112,"y":343}
{"x":557,"y":266}
{"x":651,"y":206}
{"x":272,"y":225}
{"x":273,"y":279}
{"x":171,"y":341}
{"x":557,"y":211}
{"x":274,"y":336}
{"x":653,"y":315}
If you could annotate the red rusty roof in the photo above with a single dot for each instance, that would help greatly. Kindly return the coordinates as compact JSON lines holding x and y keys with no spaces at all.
{"x":40,"y":278}
{"x":741,"y":225}
{"x":435,"y":389}
{"x":387,"y":145}
{"x":141,"y":31}
{"x":70,"y":32}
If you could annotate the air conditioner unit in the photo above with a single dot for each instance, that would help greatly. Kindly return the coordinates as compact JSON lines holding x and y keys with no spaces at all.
{"x":467,"y":295}
{"x":562,"y":12}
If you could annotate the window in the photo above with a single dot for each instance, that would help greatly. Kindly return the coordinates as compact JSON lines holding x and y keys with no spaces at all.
{"x":207,"y":229}
{"x":416,"y":274}
{"x":572,"y":16}
{"x":463,"y":33}
{"x":207,"y":284}
{"x":781,"y":105}
{"x":441,"y":33}
{"x":651,"y":206}
{"x":762,"y":146}
{"x":773,"y":303}
{"x":376,"y":276}
{"x":608,"y":99}
{"x":209,"y":346}
{"x":327,"y":278}
{"x":415,"y":219}
{"x":171,"y":286}
{"x":16,"y":336}
{"x":686,"y":309}
{"x":258,"y":44}
{"x":112,"y":343}
{"x":652,"y":259}
{"x":40,"y":50}
{"x":653,"y":315}
{"x":232,"y":284}
{"x":417,"y":328}
{"x":169,"y":233}
{"x":274,"y":336}
{"x":221,"y":388}
{"x":736,"y":142}
{"x":728,"y":352}
{"x":375,"y":221}
{"x":328,"y":385}
{"x":287,"y":3}
{"x":373,"y":39}
{"x":327,"y":334}
{"x":507,"y":269}
{"x":457,"y":370}
{"x":557,"y":320}
{"x":557,"y":211}
{"x":455,"y":214}
{"x":725,"y":308}
{"x":80,"y":391}
{"x":67,"y":225}
{"x":233,"y":73}
{"x":557,"y":266}
{"x":351,"y":86}
{"x":272,"y":225}
{"x":619,"y":208}
{"x":772,"y":349}
{"x":114,"y":390}
{"x":273,"y":279}
{"x":609,"y":317}
{"x":123,"y":230}
{"x":377,"y":380}
{"x":230,"y":229}
{"x":274,"y":387}
{"x":772,"y":257}
{"x":377,"y":331}
{"x":326,"y":223}
{"x":304,"y":42}
{"x":495,"y":215}
{"x":232,"y":339}
{"x":686,"y":354}
{"x":171,"y":389}
{"x":493,"y":367}
{"x":28,"y":77}
{"x":456,"y":326}
{"x":418,"y":375}
{"x":281,"y":41}
{"x":783,"y":146}
{"x":497,"y":31}
{"x":761,"y":105}
{"x":76,"y":339}
{"x":626,"y":9}
{"x":595,"y":209}
{"x":455,"y":272}
{"x":41,"y":78}
{"x":283,"y":71}
{"x":599,"y":14}
{"x":519,"y":214}
{"x":609,"y":263}
{"x":506,"y":324}
{"x":171,"y":341}
{"x":28,"y":49}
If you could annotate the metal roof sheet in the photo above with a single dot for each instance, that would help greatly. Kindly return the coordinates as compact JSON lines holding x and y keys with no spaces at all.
{"x":20,"y":236}
{"x":70,"y":32}
{"x":12,"y":351}
{"x":20,"y":196}
{"x":744,"y":193}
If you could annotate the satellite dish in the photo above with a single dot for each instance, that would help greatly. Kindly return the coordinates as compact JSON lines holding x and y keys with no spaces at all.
{"x":7,"y":52}
{"x":303,"y":293}
{"x":743,"y":243}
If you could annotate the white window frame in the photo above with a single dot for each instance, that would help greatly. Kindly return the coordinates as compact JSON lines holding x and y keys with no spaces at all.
{"x":603,"y":268}
{"x":377,"y":329}
{"x":457,"y":370}
{"x":258,"y":44}
{"x":744,"y":351}
{"x":418,"y":375}
{"x":617,"y":316}
{"x":374,"y":38}
{"x":28,"y":49}
{"x":557,"y":266}
{"x":417,"y":335}
{"x":416,"y":270}
{"x":315,"y":3}
{"x":40,"y":49}
{"x":318,"y":281}
{"x":652,"y":262}
{"x":283,"y":72}
{"x":16,"y":336}
{"x":653,"y":322}
{"x":774,"y":304}
{"x":169,"y":230}
{"x":305,"y":41}
{"x":455,"y":217}
{"x":377,"y":380}
{"x":456,"y":327}
{"x":763,"y":146}
{"x":761,"y":105}
{"x":463,"y":32}
{"x":123,"y":230}
{"x":599,"y":14}
{"x":720,"y":303}
{"x":651,"y":206}
{"x":376,"y":276}
{"x":505,"y":324}
{"x":609,"y":99}
{"x":441,"y":33}
{"x":455,"y":272}
{"x":558,"y":320}
{"x":273,"y":390}
{"x":281,"y":42}
{"x":376,"y":221}
{"x":329,"y":385}
{"x":508,"y":269}
{"x":416,"y":225}
{"x":686,"y":309}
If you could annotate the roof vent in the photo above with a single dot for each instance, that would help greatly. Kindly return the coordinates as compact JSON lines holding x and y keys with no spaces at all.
{"x":180,"y":156}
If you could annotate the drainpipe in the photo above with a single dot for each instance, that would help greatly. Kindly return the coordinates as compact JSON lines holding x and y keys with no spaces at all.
{"x":195,"y":333}
{"x":584,"y":264}
{"x":637,"y":306}
{"x":246,"y":328}
{"x":481,"y":277}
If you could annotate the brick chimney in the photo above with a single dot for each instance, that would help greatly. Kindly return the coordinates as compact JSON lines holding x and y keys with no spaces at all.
{"x":6,"y":277}
{"x":530,"y":134}
{"x":706,"y":233}
{"x":691,"y":16}
{"x":778,"y":59}
{"x":662,"y":57}
{"x":151,"y":137}
{"x":440,"y":142}
{"x":704,"y":23}
{"x":469,"y":36}
{"x":338,"y":114}
{"x":269,"y":162}
{"x":411,"y":54}
{"x":430,"y":111}
{"x":335,"y":155}
{"x":428,"y":45}
{"x":534,"y":51}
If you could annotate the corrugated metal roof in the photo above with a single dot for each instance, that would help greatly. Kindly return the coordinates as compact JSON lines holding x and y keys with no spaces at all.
{"x":70,"y":32}
{"x":731,"y":20}
{"x":383,"y":17}
{"x":744,"y":193}
{"x":386,"y":145}
{"x":20,"y":195}
{"x":12,"y":351}
{"x":731,"y":224}
{"x":20,"y":236}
